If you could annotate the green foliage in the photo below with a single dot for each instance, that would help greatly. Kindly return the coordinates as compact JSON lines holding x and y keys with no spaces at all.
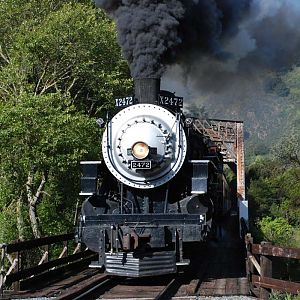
{"x":263,"y":167}
{"x":38,"y":131}
{"x":283,"y":296}
{"x":71,"y":49}
{"x":287,"y":150}
{"x":274,"y":191}
{"x":277,"y":230}
{"x":256,"y":149}
{"x":274,"y":195}
{"x":261,"y":193}
{"x":60,"y":65}
{"x":291,"y":79}
{"x":8,"y":224}
{"x":289,"y":188}
{"x":39,"y":135}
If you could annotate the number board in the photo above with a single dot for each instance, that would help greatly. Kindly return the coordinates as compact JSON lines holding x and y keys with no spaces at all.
{"x":124,"y":101}
{"x":170,"y":100}
{"x":140,"y":165}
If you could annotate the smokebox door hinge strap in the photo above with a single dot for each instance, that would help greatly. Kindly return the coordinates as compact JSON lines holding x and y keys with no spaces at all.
{"x":179,"y":244}
{"x":101,"y":247}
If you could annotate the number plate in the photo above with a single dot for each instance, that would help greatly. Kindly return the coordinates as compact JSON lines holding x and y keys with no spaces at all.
{"x":124,"y":101}
{"x":140,"y":165}
{"x":173,"y":101}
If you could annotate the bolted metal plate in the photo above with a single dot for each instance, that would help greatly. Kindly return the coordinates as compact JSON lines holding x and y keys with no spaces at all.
{"x":154,"y":126}
{"x":129,"y":264}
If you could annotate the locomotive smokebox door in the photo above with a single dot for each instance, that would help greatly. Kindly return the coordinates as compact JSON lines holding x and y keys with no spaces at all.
{"x":144,"y":146}
{"x":90,"y":171}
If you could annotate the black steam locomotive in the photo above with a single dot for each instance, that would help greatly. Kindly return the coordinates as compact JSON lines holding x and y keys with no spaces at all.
{"x":158,"y":188}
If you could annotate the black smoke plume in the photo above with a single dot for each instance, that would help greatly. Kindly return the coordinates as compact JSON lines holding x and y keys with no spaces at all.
{"x":154,"y":33}
{"x":147,"y":31}
{"x":240,"y":46}
{"x":212,"y":42}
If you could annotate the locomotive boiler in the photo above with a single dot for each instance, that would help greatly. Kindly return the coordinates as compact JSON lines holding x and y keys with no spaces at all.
{"x":156,"y":190}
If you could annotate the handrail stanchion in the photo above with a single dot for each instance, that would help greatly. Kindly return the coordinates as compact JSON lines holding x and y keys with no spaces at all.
{"x":2,"y":271}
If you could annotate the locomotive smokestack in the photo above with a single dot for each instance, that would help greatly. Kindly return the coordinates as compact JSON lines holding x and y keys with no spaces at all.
{"x":147,"y":90}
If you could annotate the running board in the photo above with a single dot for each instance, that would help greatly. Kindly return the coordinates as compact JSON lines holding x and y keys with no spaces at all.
{"x":184,"y":262}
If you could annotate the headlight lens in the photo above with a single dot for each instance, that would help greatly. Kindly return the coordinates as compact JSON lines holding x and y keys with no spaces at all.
{"x":140,"y":150}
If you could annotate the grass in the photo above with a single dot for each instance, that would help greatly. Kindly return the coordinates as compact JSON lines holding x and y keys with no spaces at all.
{"x":283,"y":296}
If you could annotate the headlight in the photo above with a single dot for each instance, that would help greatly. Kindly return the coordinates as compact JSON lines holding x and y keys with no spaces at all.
{"x":140,"y":150}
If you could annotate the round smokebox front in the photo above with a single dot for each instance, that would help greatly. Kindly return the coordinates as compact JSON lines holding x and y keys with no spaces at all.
{"x":144,"y":146}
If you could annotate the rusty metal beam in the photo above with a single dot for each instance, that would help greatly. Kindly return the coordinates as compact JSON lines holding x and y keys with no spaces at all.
{"x":229,"y":136}
{"x":240,"y":172}
{"x":240,"y":161}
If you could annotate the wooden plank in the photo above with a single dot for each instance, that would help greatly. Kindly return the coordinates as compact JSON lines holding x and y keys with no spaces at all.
{"x":266,"y":271}
{"x":255,"y":263}
{"x":25,"y":245}
{"x":219,"y":287}
{"x":55,"y":274}
{"x":46,"y":266}
{"x":76,"y":290}
{"x":231,"y":287}
{"x":243,"y":286}
{"x":276,"y":251}
{"x":276,"y":284}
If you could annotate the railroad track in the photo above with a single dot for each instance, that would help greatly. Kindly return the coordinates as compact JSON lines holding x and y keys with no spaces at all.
{"x":170,"y":287}
{"x":205,"y":277}
{"x":108,"y":287}
{"x":182,"y":286}
{"x":217,"y":270}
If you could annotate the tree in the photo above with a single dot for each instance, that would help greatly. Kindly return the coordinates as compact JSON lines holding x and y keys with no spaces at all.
{"x":287,"y":185}
{"x":277,"y":230}
{"x":287,"y":150}
{"x":41,"y":140}
{"x":274,"y":195}
{"x":60,"y":65}
{"x":71,"y":50}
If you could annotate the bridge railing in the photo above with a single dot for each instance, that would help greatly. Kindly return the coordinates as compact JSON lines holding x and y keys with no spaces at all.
{"x":48,"y":255}
{"x":259,"y":268}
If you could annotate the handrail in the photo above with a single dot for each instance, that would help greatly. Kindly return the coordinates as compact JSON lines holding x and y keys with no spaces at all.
{"x":259,"y":267}
{"x":45,"y":266}
{"x":30,"y":244}
{"x":12,"y":267}
{"x":270,"y":250}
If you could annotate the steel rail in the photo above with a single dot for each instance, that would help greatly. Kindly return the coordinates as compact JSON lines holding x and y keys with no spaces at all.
{"x":170,"y":290}
{"x":98,"y":284}
{"x":97,"y":288}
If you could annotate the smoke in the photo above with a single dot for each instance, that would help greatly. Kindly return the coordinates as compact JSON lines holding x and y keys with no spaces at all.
{"x":258,"y":38}
{"x":156,"y":33}
{"x":147,"y":31}
{"x":219,"y":53}
{"x":226,"y":37}
{"x":236,"y":78}
{"x":274,"y":26}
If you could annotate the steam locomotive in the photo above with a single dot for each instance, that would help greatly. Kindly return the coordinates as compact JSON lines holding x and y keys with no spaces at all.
{"x":158,"y":188}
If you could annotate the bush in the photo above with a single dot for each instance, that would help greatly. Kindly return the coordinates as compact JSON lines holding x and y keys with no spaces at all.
{"x":277,"y":231}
